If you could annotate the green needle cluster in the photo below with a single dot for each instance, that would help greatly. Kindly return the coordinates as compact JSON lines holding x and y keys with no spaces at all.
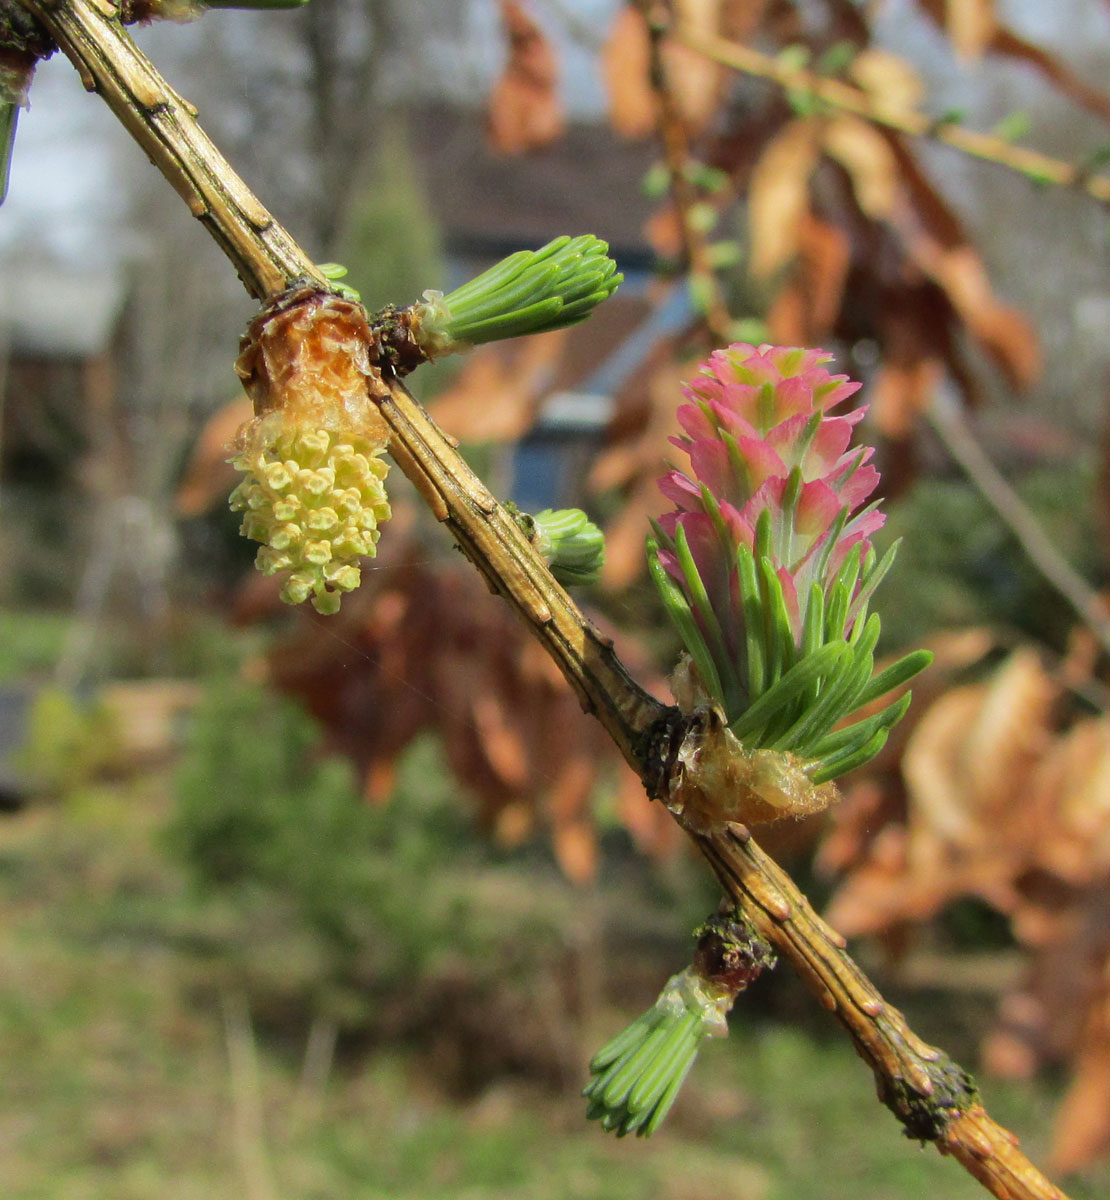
{"x":638,"y":1075}
{"x":17,"y":67}
{"x":335,"y":272}
{"x":532,"y":291}
{"x":793,"y":693}
{"x":571,"y":544}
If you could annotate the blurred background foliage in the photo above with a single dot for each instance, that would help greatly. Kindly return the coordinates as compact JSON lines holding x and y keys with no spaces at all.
{"x":296,"y":907}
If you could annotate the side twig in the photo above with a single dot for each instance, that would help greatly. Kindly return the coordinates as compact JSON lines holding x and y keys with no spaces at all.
{"x":933,"y":1097}
{"x":951,"y":426}
{"x":676,"y":152}
{"x":1041,"y":168}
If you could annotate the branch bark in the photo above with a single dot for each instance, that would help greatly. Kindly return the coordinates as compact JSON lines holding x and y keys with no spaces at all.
{"x":933,"y":1097}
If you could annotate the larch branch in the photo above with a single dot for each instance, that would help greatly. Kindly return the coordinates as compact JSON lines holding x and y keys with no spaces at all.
{"x":933,"y":1097}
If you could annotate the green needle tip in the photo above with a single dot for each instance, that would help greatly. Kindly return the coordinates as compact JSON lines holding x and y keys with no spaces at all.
{"x":532,"y":291}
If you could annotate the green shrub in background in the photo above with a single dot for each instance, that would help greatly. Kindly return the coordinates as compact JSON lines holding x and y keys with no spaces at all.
{"x":68,"y":742}
{"x":959,"y":565}
{"x":262,"y":811}
{"x":361,"y":913}
{"x":31,"y":641}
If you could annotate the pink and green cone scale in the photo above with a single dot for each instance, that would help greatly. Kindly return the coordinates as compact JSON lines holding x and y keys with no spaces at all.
{"x":765,"y":564}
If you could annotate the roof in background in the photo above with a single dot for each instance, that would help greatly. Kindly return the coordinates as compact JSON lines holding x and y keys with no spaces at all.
{"x":489,"y":204}
{"x":587,"y":182}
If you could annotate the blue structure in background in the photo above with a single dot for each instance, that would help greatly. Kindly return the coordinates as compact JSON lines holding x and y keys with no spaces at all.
{"x":550,"y":461}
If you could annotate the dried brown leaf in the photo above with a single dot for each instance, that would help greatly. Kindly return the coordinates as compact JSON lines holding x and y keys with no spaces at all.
{"x":663,"y":231}
{"x":787,"y":314}
{"x":501,"y":742}
{"x":778,"y":195}
{"x":971,"y":26}
{"x":740,"y":19}
{"x":524,"y":111}
{"x":693,"y":80}
{"x":496,"y":395}
{"x":625,"y":65}
{"x":805,"y":309}
{"x":967,"y":766}
{"x":1072,"y":785}
{"x":1010,"y":732}
{"x":888,"y":79}
{"x":901,"y":391}
{"x":1016,"y":1047}
{"x":1081,"y":1130}
{"x":876,"y":896}
{"x":943,"y":810}
{"x":955,"y":650}
{"x":867,"y":157}
{"x":575,"y":848}
{"x":1003,"y":331}
{"x":514,"y":824}
{"x":570,"y":818}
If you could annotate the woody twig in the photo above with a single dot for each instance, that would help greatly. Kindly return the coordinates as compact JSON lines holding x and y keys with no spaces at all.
{"x":933,"y":1098}
{"x":1040,"y":168}
{"x":676,"y":151}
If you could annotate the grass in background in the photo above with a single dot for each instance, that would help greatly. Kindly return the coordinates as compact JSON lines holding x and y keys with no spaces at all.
{"x":127,"y":1045}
